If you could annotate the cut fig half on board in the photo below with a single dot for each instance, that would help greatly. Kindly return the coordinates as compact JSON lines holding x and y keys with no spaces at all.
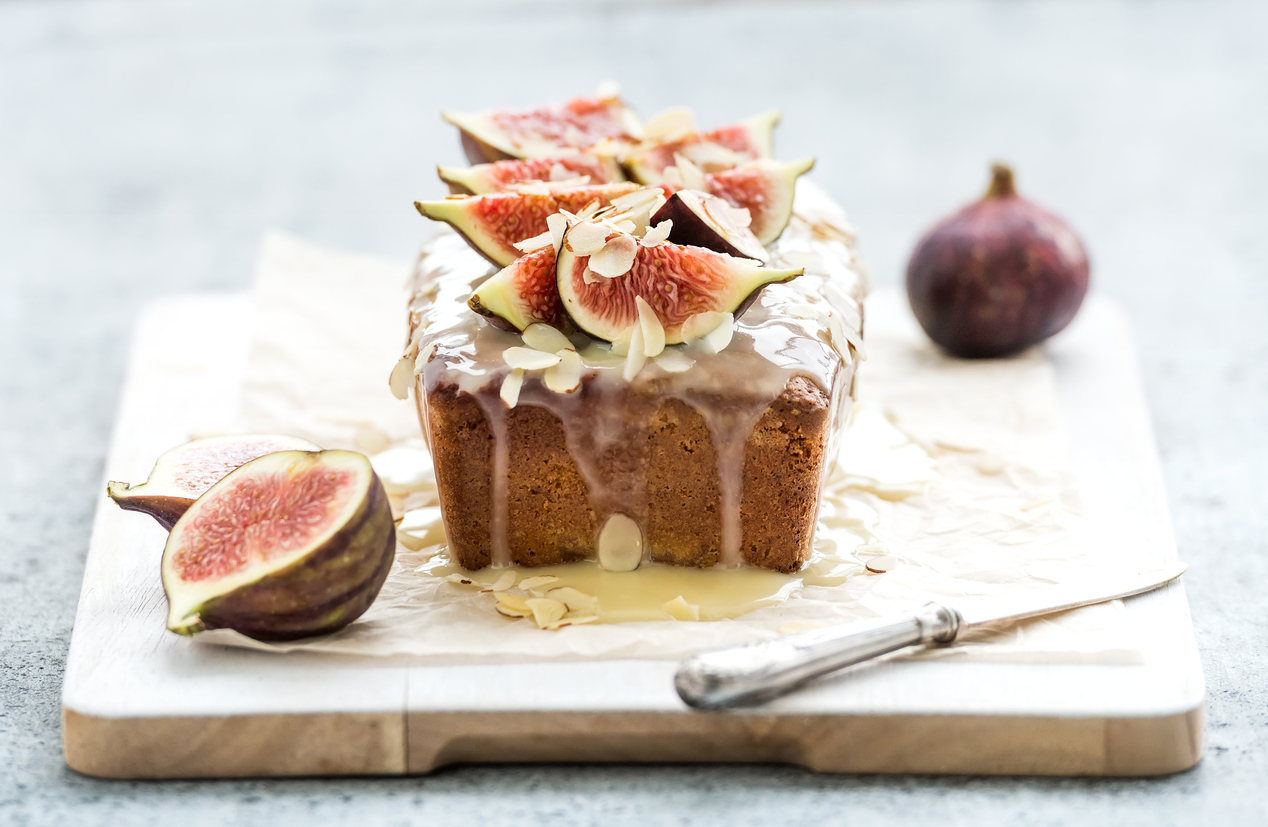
{"x":291,"y":544}
{"x":495,"y":135}
{"x":712,"y":151}
{"x":703,"y":220}
{"x":496,"y":177}
{"x":183,"y":473}
{"x":602,"y":276}
{"x":763,"y":187}
{"x":494,"y":223}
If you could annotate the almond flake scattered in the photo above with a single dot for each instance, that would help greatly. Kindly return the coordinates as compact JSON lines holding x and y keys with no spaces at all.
{"x":402,"y":377}
{"x":532,"y":188}
{"x":697,"y":326}
{"x":506,"y":581}
{"x":558,"y":225}
{"x":545,"y":610}
{"x":653,"y":330}
{"x":511,"y":385}
{"x":616,"y":258}
{"x":576,"y":601}
{"x":570,"y":620}
{"x":589,"y":210}
{"x":680,"y":609}
{"x":692,"y":175}
{"x":526,"y":358}
{"x":531,"y":583}
{"x":564,"y":377}
{"x":672,"y":177}
{"x":535,"y":243}
{"x":634,"y":359}
{"x":460,"y":580}
{"x":710,"y":157}
{"x":625,"y":226}
{"x":710,"y":331}
{"x":586,"y":239}
{"x":424,"y":355}
{"x":881,"y":563}
{"x":514,"y":602}
{"x":673,"y":360}
{"x":657,"y":235}
{"x":545,"y":338}
{"x":672,"y":123}
{"x":621,"y":344}
{"x":636,"y":199}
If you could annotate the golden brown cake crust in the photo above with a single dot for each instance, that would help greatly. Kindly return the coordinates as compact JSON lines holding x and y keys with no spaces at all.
{"x":550,"y":518}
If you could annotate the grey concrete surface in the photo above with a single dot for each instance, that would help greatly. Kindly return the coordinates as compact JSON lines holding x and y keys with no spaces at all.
{"x":145,"y":147}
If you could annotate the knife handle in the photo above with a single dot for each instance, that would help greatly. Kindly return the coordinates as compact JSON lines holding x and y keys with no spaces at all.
{"x":761,"y":671}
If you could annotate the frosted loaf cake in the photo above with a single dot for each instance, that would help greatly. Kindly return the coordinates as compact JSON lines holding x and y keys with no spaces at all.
{"x":682,"y":433}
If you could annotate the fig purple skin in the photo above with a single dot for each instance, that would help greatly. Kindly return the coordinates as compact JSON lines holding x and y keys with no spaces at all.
{"x":1000,"y":275}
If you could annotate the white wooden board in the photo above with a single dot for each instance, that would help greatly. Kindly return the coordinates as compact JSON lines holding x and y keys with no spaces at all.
{"x":141,"y":702}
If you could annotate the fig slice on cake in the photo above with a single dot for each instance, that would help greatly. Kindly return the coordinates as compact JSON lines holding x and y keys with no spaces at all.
{"x":183,"y":473}
{"x":763,"y":187}
{"x":711,"y":151}
{"x":703,"y":220}
{"x":291,"y":544}
{"x":496,"y":177}
{"x":495,"y":135}
{"x":494,"y":223}
{"x":602,"y":275}
{"x":521,"y":294}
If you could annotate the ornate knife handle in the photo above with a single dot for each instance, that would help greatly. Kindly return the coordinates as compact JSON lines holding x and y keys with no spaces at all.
{"x":760,"y":672}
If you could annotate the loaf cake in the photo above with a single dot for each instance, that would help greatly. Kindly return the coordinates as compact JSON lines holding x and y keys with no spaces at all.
{"x":662,"y":439}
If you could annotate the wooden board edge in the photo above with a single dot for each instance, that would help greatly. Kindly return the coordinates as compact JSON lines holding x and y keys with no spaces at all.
{"x":859,"y":744}
{"x":235,"y":746}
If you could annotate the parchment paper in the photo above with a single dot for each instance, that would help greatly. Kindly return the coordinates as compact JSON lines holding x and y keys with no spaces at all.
{"x":999,"y":511}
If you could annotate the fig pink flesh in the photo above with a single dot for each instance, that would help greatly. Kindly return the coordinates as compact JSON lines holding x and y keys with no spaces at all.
{"x":580,"y":122}
{"x":201,"y":470}
{"x":261,"y":519}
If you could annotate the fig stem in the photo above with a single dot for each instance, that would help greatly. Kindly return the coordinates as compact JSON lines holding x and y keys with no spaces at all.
{"x":1001,"y":182}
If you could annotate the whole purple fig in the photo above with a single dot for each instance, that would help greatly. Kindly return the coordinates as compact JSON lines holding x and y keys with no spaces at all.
{"x":998,"y":276}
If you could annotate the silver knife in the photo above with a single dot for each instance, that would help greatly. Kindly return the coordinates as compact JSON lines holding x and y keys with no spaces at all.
{"x":757,"y":672}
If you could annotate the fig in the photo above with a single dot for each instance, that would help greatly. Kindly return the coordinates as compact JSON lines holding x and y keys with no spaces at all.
{"x":183,"y":473}
{"x":495,"y":177}
{"x":998,"y":276}
{"x":702,"y":220}
{"x":522,"y":293}
{"x":291,"y":544}
{"x":493,"y":223}
{"x":496,"y":135}
{"x":712,"y":151}
{"x":677,"y":281}
{"x":763,"y":187}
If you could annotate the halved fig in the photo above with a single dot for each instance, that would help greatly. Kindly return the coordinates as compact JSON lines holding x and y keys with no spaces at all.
{"x":763,"y":187}
{"x":703,"y":220}
{"x":712,"y":151}
{"x":492,"y":224}
{"x":291,"y":544}
{"x":496,"y":135}
{"x":496,"y":177}
{"x":522,"y":293}
{"x":677,"y":282}
{"x":183,"y":473}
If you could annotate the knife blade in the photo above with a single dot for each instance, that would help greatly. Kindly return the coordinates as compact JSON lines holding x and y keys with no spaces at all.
{"x":759,"y":672}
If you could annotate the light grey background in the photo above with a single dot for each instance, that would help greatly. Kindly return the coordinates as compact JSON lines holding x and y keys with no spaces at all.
{"x":145,"y":147}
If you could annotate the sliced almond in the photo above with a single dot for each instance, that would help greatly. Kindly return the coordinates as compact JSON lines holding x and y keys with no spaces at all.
{"x":564,"y":377}
{"x":535,"y":243}
{"x":697,"y":326}
{"x":672,"y":123}
{"x":634,"y":358}
{"x":589,"y":210}
{"x":511,"y":385}
{"x":576,"y":601}
{"x":545,"y":610}
{"x":526,"y":358}
{"x":506,"y":581}
{"x":460,"y":580}
{"x":881,"y":563}
{"x":680,"y":609}
{"x":621,"y":345}
{"x":620,"y":544}
{"x":587,"y":238}
{"x":692,"y":175}
{"x":631,"y":202}
{"x":653,"y":330}
{"x":616,"y":258}
{"x":512,"y":601}
{"x":657,"y":235}
{"x":571,"y":620}
{"x":507,"y":611}
{"x":424,"y":356}
{"x":558,"y":224}
{"x":402,"y":377}
{"x":673,"y":360}
{"x":545,"y":338}
{"x":672,"y":177}
{"x":531,"y":583}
